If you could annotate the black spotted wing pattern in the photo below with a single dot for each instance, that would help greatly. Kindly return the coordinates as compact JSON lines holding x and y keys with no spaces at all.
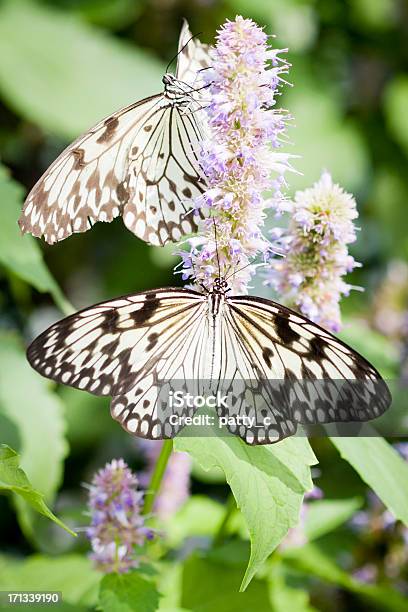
{"x":164,"y":176}
{"x":124,"y":348}
{"x":276,"y":364}
{"x":283,"y":368}
{"x":87,"y":182}
{"x":139,"y":163}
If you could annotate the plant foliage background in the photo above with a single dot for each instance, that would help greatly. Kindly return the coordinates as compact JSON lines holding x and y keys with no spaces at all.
{"x":64,"y":64}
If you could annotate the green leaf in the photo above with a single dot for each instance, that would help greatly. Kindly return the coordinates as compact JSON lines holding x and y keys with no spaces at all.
{"x":309,"y":558}
{"x":71,"y":574}
{"x":112,"y":15}
{"x":169,"y":585}
{"x":199,"y":516}
{"x":88,"y":418}
{"x":387,"y":201}
{"x":286,"y":598}
{"x":283,"y":596}
{"x":268,"y":484}
{"x":14,"y":480}
{"x":21,"y":254}
{"x":65,"y":75}
{"x":210,"y":586}
{"x":325,"y":515}
{"x":27,"y":401}
{"x":380,"y":466}
{"x":233,"y":553}
{"x":312,"y":561}
{"x":128,"y":593}
{"x":374,"y":14}
{"x":395,"y":103}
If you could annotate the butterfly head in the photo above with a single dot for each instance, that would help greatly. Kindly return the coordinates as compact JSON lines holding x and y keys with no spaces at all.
{"x":175,"y":91}
{"x":220,"y":286}
{"x":168,"y":79}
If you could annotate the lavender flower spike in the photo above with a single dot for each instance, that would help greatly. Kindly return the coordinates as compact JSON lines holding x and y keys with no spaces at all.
{"x":117,"y":525}
{"x":310,"y":275}
{"x":238,"y":159}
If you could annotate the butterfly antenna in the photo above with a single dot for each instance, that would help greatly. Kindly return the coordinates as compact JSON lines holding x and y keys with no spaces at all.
{"x":240,"y":269}
{"x":181,"y":50}
{"x":216,"y":247}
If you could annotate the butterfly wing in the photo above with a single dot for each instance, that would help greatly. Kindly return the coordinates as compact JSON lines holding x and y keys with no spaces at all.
{"x":164,"y":177}
{"x":165,"y":174}
{"x":86,"y":183}
{"x":127,"y":348}
{"x":283,"y":370}
{"x":192,"y":56}
{"x":276,"y":364}
{"x":140,"y":162}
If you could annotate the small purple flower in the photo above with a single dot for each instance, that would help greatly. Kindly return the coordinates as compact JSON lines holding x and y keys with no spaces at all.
{"x":117,"y":525}
{"x":388,"y":519}
{"x":391,"y":311}
{"x":402,"y":448}
{"x":360,"y":520}
{"x":377,"y":524}
{"x":367,"y":573}
{"x":310,"y":274}
{"x":314,"y":494}
{"x":375,"y":518}
{"x":175,"y":486}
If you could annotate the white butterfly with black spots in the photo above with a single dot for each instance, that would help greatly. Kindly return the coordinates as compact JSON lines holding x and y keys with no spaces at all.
{"x":130,"y":346}
{"x":140,"y":162}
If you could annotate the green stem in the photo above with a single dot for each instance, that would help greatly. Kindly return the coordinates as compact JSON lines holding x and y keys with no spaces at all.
{"x":230,"y":507}
{"x":157,"y":475}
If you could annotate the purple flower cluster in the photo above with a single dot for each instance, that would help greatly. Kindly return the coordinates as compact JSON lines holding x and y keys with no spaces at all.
{"x":310,"y":275}
{"x":238,"y":158}
{"x":175,"y":486}
{"x":391,"y":302}
{"x":390,"y":314}
{"x":379,"y":525}
{"x":367,"y":573}
{"x":116,"y":522}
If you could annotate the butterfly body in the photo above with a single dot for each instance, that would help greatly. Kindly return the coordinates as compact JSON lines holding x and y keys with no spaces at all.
{"x":278,"y":368}
{"x":177,"y":92}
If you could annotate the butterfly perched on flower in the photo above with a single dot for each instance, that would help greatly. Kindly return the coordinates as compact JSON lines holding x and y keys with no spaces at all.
{"x":141,"y":163}
{"x":130,"y":346}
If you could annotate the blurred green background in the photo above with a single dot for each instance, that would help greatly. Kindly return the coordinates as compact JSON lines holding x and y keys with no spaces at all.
{"x":65,"y":64}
